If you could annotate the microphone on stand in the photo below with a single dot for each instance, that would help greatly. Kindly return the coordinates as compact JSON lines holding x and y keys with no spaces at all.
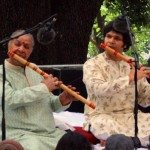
{"x":46,"y":34}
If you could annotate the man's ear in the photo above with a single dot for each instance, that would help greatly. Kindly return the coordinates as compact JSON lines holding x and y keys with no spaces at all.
{"x":124,"y":47}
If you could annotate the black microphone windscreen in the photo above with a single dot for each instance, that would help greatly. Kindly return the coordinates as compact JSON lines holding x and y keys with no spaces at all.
{"x":45,"y":35}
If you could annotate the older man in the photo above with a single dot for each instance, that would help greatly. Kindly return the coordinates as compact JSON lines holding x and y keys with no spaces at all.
{"x":29,"y":100}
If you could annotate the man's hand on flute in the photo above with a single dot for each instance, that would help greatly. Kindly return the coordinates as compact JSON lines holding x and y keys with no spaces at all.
{"x":141,"y":73}
{"x":66,"y":98}
{"x":51,"y":82}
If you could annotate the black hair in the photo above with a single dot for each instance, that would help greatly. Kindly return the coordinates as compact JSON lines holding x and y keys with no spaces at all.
{"x":119,"y":25}
{"x":74,"y":141}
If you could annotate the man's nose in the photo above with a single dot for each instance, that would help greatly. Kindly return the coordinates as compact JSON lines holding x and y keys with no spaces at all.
{"x":21,"y":48}
{"x":112,"y":40}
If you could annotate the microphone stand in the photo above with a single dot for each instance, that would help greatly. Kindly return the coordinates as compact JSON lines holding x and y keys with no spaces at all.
{"x":3,"y":127}
{"x":30,"y":30}
{"x":2,"y":43}
{"x":137,"y":66}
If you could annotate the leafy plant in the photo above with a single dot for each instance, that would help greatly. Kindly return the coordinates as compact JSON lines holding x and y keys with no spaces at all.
{"x":140,"y":28}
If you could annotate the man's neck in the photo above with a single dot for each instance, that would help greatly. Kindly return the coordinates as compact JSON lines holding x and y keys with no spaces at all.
{"x":14,"y":62}
{"x":113,"y":57}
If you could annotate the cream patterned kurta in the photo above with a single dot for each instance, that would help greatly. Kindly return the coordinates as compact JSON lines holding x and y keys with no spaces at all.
{"x":29,"y":107}
{"x":107,"y":84}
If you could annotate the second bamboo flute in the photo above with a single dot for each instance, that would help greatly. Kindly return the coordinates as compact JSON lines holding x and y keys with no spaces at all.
{"x":117,"y":54}
{"x":64,"y":87}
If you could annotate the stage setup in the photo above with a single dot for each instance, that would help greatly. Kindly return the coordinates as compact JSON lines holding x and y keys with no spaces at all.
{"x":74,"y":121}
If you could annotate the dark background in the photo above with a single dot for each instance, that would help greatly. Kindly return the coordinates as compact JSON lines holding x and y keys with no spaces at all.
{"x":71,"y":76}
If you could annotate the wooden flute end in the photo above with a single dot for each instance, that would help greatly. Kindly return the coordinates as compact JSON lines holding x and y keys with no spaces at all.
{"x":10,"y":54}
{"x":92,"y":105}
{"x":102,"y":45}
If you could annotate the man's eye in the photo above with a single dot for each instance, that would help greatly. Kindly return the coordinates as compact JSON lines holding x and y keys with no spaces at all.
{"x":108,"y":36}
{"x":17,"y":43}
{"x":26,"y":46}
{"x":118,"y":39}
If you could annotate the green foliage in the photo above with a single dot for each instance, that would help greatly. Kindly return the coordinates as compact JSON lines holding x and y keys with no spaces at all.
{"x":108,"y":9}
{"x":92,"y":50}
{"x":140,"y":27}
{"x":138,"y":10}
{"x":141,"y":42}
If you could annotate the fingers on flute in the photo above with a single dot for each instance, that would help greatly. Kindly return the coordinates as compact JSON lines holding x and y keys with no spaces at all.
{"x":147,"y":73}
{"x":50,"y":75}
{"x":73,"y":88}
{"x":142,"y":68}
{"x":47,"y":76}
{"x":57,"y":83}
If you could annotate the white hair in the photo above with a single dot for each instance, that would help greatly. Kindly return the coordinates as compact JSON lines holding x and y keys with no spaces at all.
{"x":20,"y":32}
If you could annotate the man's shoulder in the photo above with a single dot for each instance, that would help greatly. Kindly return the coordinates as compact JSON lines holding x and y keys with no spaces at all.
{"x":97,"y":58}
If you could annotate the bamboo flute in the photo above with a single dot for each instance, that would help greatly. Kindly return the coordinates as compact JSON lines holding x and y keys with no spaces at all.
{"x":42,"y":73}
{"x":117,"y":54}
{"x":120,"y":56}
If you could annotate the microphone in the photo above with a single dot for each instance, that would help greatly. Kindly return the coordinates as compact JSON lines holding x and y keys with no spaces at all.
{"x":120,"y":24}
{"x":46,"y":34}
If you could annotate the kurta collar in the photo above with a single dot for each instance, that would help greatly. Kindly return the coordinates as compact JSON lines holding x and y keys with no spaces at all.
{"x":11,"y":66}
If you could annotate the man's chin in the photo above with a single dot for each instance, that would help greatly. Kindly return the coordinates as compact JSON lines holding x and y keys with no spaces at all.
{"x":114,"y":48}
{"x":22,"y":56}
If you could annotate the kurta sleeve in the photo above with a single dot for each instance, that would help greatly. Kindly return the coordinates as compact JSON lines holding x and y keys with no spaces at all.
{"x":29,"y":95}
{"x":56,"y":104}
{"x":144,"y":96}
{"x":25,"y":96}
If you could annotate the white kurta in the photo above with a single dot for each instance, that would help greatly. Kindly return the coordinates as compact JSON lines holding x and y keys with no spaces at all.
{"x":107,"y":84}
{"x":29,"y":107}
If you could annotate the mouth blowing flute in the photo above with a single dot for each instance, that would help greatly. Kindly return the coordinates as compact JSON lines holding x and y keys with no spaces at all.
{"x":42,"y":73}
{"x":121,"y":56}
{"x":117,"y":54}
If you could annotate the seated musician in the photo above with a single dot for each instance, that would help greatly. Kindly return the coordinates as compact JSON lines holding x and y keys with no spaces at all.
{"x":110,"y":84}
{"x":29,"y":100}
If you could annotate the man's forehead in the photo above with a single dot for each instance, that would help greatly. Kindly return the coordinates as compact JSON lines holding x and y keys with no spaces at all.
{"x":113,"y":33}
{"x":24,"y":38}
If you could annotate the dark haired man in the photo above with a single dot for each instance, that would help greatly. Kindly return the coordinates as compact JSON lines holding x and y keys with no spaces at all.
{"x":110,"y":84}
